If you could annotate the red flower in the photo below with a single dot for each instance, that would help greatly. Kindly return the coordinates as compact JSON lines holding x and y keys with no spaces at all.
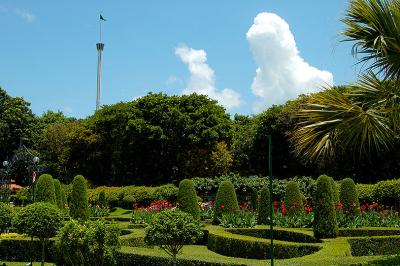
{"x":222,"y":206}
{"x":283,"y":209}
{"x":275,"y":204}
{"x":339,"y":206}
{"x":308,"y":209}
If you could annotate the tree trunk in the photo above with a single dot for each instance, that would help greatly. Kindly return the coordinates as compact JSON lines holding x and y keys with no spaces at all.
{"x":43,"y":250}
{"x":174,"y":259}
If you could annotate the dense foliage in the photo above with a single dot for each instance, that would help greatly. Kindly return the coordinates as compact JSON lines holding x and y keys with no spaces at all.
{"x":59,"y":193}
{"x":225,"y":201}
{"x":264,"y":207}
{"x":90,"y":243}
{"x":325,"y":223}
{"x":349,"y":197}
{"x":79,"y":204}
{"x":293,"y":199}
{"x":44,"y":190}
{"x":6,"y":213}
{"x":41,"y":220}
{"x":171,"y":230}
{"x":187,"y":198}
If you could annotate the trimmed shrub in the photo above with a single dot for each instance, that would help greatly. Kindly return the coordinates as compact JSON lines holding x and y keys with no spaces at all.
{"x":187,"y":198}
{"x":91,"y":243}
{"x":5,"y":216}
{"x":102,"y":199}
{"x":325,"y":224}
{"x":349,"y":197}
{"x":373,"y":231}
{"x":78,"y":207}
{"x":225,"y":201}
{"x":171,"y":230}
{"x":375,"y":246}
{"x":58,"y":191}
{"x":24,"y":249}
{"x":279,"y":234}
{"x":41,"y":220}
{"x":293,"y":200}
{"x":44,"y":190}
{"x":365,"y":193}
{"x":264,"y":208}
{"x":336,"y":198}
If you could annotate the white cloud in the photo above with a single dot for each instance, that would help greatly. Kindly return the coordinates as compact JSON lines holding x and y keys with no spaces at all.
{"x":174,"y":81}
{"x":26,"y":15}
{"x":282,"y":74}
{"x":202,"y":78}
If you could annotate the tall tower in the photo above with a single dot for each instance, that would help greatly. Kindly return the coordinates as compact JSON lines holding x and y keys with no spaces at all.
{"x":100,"y":47}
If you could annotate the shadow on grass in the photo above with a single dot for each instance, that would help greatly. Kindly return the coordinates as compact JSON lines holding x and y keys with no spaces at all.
{"x":391,"y":261}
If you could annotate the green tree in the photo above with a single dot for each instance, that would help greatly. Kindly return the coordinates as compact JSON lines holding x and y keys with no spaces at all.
{"x":44,"y":189}
{"x":325,"y":223}
{"x":171,"y":230}
{"x":6,"y":214}
{"x":79,"y":204}
{"x":293,"y":200}
{"x":41,"y":220}
{"x":335,"y":190}
{"x":349,"y":197}
{"x":187,"y":198}
{"x":264,"y":208}
{"x":225,"y":201}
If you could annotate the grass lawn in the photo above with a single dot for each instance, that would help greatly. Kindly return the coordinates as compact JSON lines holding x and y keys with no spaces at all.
{"x":120,"y":213}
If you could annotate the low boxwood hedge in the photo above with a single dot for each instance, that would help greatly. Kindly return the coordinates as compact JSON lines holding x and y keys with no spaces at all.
{"x":279,"y":234}
{"x":240,"y":246}
{"x":23,"y":249}
{"x":369,"y":231}
{"x":368,"y":246}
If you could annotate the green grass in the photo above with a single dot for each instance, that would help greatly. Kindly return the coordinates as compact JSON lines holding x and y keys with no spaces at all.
{"x":119,"y":212}
{"x":23,"y":263}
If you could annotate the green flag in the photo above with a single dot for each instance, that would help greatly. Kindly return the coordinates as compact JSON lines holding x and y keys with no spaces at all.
{"x":101,"y":18}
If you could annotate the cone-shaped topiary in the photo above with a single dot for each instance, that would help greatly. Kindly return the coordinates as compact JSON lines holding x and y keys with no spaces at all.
{"x":254,"y":199}
{"x":225,"y":201}
{"x":293,"y":200}
{"x":264,"y":207}
{"x":325,"y":223}
{"x":187,"y":198}
{"x":349,"y":197}
{"x":335,"y":189}
{"x":58,"y":191}
{"x":78,"y":207}
{"x":44,"y":190}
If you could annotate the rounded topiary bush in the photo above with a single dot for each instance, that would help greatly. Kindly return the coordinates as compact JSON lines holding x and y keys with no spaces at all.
{"x":325,"y":223}
{"x":225,"y":201}
{"x":187,"y":198}
{"x":264,"y":208}
{"x":335,"y":190}
{"x":41,"y":220}
{"x":58,"y":190}
{"x":78,"y":207}
{"x":349,"y":197}
{"x":293,"y":200}
{"x":44,"y":189}
{"x":5,"y":216}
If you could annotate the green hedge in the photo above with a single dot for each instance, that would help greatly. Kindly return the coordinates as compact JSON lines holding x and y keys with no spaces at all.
{"x":134,"y":239}
{"x":279,"y":234}
{"x":232,"y":245}
{"x":368,"y":246}
{"x":345,"y":232}
{"x":24,"y":249}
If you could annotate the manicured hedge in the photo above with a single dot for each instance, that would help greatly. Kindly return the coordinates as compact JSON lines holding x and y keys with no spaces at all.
{"x":24,"y":249}
{"x":368,"y":246}
{"x":373,"y":231}
{"x":228,"y":244}
{"x":134,"y":239}
{"x":279,"y":234}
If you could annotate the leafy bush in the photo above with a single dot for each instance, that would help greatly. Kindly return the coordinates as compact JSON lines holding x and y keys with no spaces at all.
{"x":91,"y":243}
{"x":240,"y":219}
{"x":365,"y":193}
{"x":225,"y":201}
{"x":293,"y":200}
{"x":187,"y":198}
{"x":349,"y":197}
{"x":142,"y":217}
{"x":325,"y":224}
{"x":44,"y":189}
{"x":102,"y":199}
{"x":58,"y":192}
{"x":22,"y":196}
{"x":79,"y":206}
{"x":41,"y":220}
{"x":171,"y":230}
{"x":98,"y":211}
{"x":254,"y":199}
{"x":301,"y":220}
{"x":264,"y":208}
{"x":6,"y":214}
{"x":336,"y":198}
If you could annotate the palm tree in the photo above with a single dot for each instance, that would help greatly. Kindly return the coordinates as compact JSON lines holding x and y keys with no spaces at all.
{"x":364,"y":119}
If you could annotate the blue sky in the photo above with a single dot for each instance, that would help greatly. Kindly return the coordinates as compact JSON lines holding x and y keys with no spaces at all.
{"x":48,"y":54}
